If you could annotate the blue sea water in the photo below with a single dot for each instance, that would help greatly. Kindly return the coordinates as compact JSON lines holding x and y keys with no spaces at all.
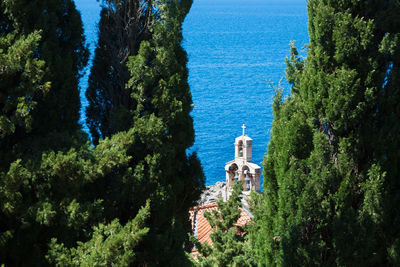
{"x":90,"y":13}
{"x":236,"y":51}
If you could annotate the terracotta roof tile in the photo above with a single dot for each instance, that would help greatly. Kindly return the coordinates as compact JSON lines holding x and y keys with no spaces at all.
{"x":202,"y":229}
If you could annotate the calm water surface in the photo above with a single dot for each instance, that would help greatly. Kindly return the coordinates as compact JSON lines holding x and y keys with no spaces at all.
{"x":236,"y":50}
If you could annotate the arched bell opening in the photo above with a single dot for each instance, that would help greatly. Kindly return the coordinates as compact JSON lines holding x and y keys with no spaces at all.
{"x":233,"y":174}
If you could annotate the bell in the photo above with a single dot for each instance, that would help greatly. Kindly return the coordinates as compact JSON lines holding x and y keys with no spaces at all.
{"x":246,"y":175}
{"x":236,"y":176}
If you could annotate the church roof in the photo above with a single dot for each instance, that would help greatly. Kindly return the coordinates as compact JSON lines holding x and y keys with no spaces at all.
{"x":202,"y":229}
{"x":229,"y":163}
{"x":253,"y":165}
{"x":243,"y":138}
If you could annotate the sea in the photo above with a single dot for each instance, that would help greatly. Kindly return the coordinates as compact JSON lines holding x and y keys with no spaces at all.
{"x":236,"y":51}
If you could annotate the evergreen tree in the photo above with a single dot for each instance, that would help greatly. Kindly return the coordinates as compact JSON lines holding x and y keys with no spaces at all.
{"x":110,"y":245}
{"x":158,"y":166}
{"x":53,"y":114}
{"x":164,"y":130}
{"x":331,"y":187}
{"x":229,"y":247}
{"x":123,"y":26}
{"x":54,"y":198}
{"x":41,"y":55}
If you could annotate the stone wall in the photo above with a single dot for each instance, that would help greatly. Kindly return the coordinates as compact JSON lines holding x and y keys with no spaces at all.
{"x":213,"y":193}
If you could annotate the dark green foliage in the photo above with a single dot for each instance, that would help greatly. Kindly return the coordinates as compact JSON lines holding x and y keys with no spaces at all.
{"x":229,"y":247}
{"x":123,"y":26}
{"x":41,"y":55}
{"x":48,"y":118}
{"x":54,"y":200}
{"x":69,"y":193}
{"x":158,"y":167}
{"x":59,"y":196}
{"x":331,"y":173}
{"x":164,"y":131}
{"x":111,"y":244}
{"x":21,"y":78}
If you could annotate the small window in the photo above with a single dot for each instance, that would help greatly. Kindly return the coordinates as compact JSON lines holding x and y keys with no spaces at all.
{"x":240,"y":149}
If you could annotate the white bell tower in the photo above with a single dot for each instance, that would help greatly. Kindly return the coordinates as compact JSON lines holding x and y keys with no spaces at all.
{"x":242,"y":168}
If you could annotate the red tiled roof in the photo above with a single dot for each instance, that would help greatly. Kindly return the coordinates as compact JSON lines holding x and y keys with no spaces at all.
{"x":203,"y":228}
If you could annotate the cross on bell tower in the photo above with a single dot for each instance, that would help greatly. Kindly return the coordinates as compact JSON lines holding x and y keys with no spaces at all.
{"x":244,"y":128}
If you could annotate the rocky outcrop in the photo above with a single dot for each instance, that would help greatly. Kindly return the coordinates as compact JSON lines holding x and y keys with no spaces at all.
{"x":213,"y":193}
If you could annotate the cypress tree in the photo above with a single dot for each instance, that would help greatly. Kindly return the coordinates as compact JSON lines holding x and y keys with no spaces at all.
{"x":164,"y":130}
{"x":331,"y":173}
{"x":53,"y":114}
{"x":123,"y":26}
{"x":158,"y":166}
{"x":41,"y":55}
{"x":63,"y":49}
